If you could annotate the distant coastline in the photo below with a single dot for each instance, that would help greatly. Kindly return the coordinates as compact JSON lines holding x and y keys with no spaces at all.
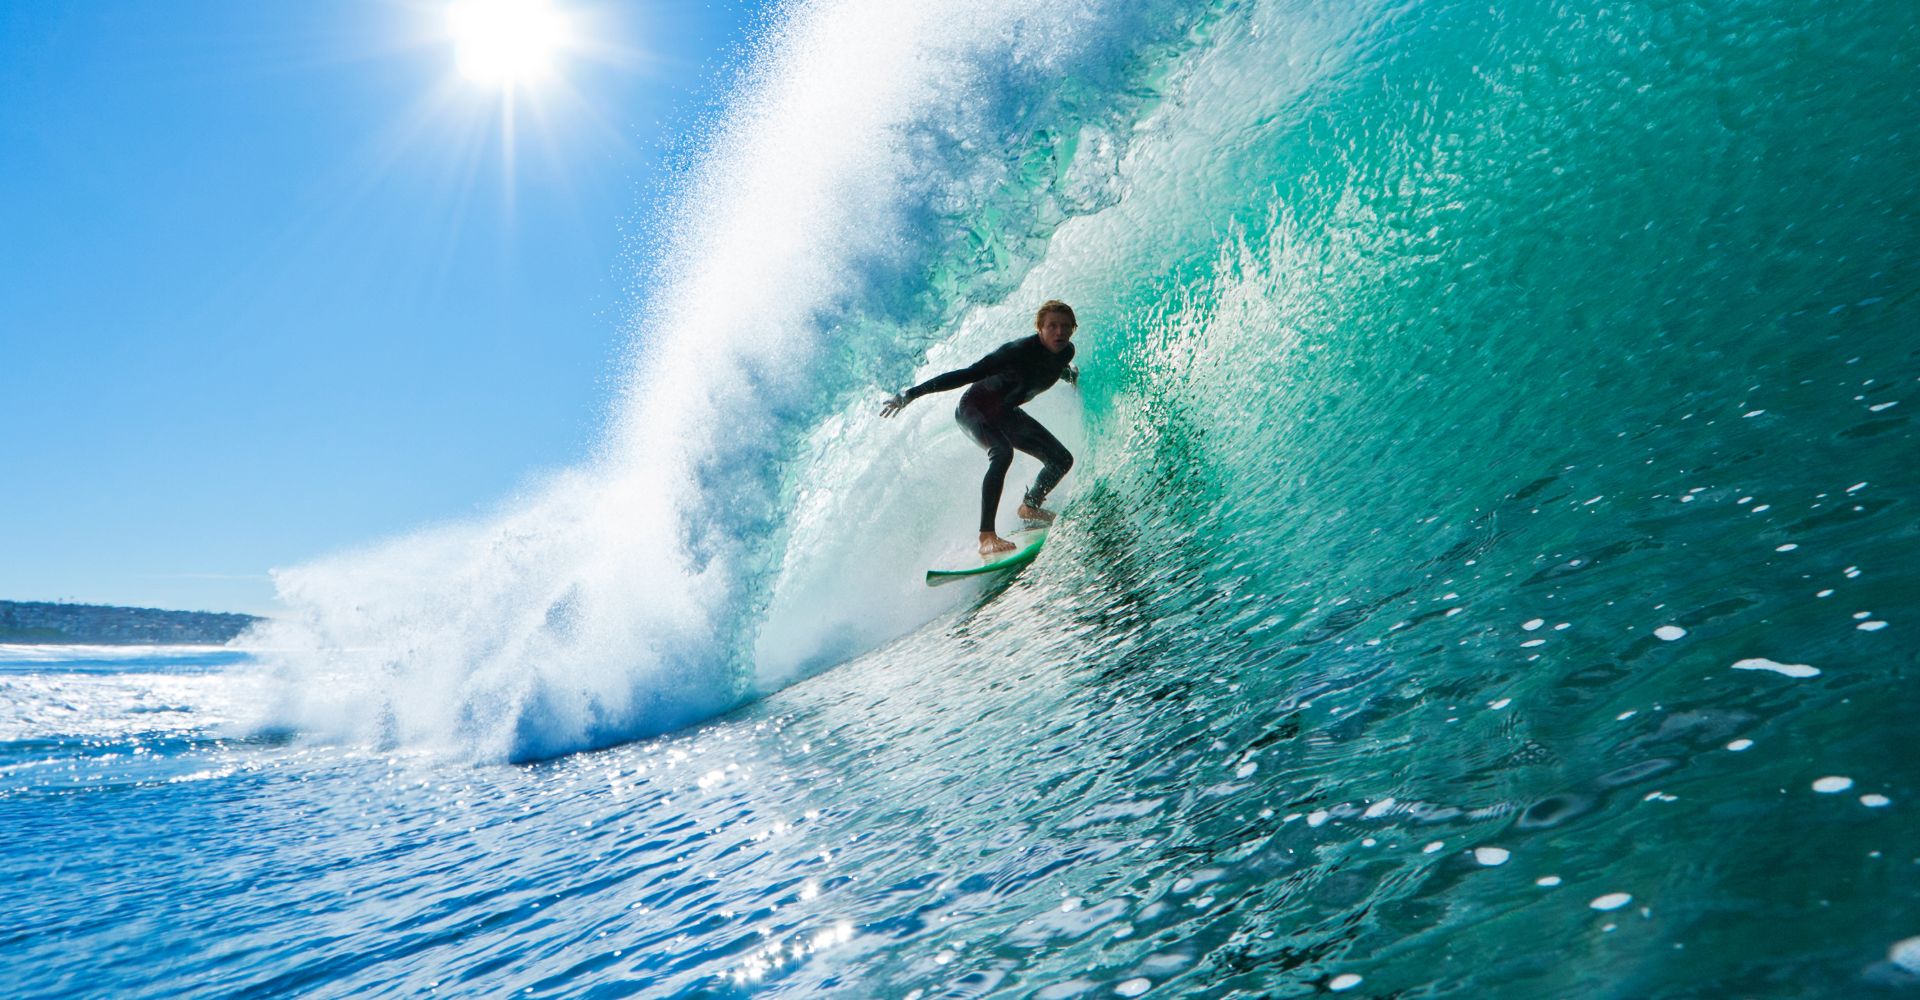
{"x":44,"y":623}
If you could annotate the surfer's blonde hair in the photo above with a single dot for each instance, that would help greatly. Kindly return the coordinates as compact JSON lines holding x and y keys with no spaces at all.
{"x":1055,"y":306}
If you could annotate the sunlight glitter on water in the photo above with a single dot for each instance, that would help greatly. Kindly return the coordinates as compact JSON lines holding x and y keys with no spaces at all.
{"x":1798,"y":670}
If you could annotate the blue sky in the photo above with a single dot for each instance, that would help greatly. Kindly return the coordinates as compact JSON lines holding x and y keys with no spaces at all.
{"x":273,"y":285}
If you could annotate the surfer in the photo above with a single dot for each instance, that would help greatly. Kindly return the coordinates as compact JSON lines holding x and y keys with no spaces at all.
{"x":990,"y":413}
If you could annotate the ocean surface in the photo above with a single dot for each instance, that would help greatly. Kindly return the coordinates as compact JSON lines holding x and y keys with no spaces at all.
{"x":1489,"y":571}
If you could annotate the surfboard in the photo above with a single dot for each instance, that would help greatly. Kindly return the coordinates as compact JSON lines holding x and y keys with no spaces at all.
{"x":1026,"y":545}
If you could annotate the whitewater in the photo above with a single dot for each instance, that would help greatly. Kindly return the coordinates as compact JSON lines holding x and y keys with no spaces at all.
{"x":1487,"y":571}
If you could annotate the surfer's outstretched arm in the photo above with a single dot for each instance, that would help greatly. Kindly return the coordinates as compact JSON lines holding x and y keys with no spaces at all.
{"x":992,"y":364}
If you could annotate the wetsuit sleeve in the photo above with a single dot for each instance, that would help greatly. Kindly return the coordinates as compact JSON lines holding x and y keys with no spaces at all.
{"x":992,"y":364}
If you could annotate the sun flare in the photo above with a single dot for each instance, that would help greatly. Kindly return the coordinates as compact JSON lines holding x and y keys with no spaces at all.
{"x":506,"y":43}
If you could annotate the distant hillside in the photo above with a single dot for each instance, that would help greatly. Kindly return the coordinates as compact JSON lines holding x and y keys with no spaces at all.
{"x":38,"y":622}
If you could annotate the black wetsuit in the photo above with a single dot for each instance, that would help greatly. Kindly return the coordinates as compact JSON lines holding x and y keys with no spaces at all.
{"x":990,"y":411}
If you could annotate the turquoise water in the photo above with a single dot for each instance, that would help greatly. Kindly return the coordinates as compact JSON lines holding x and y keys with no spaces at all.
{"x":1488,"y":570}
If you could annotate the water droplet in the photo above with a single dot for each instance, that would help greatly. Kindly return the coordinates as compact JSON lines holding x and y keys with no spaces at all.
{"x":1670,"y":632}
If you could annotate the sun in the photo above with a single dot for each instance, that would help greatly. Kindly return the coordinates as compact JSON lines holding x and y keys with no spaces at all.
{"x":506,"y":43}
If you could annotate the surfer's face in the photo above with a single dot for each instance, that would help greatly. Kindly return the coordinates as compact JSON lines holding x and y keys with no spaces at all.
{"x":1055,"y":331}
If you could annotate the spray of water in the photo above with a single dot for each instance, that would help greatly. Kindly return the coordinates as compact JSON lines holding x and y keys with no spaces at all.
{"x":881,"y":183}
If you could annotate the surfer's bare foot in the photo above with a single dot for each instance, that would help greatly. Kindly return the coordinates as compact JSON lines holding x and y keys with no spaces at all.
{"x":1031,"y":513}
{"x":992,"y":544}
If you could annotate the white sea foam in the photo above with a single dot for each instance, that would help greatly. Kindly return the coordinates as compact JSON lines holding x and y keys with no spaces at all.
{"x":1786,"y":669}
{"x":11,"y":652}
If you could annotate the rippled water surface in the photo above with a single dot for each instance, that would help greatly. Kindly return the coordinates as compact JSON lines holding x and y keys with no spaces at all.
{"x":1028,"y":800}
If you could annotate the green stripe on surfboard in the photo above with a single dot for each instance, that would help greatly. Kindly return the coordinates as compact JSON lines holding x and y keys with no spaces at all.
{"x":1027,"y":545}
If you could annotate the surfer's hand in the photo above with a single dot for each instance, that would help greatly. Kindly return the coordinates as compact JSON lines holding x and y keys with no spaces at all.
{"x":1070,"y":375}
{"x":895,"y":404}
